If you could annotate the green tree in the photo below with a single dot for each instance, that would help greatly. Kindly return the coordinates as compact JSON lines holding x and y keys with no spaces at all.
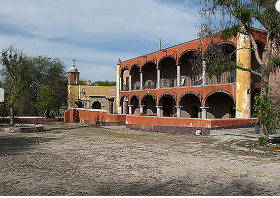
{"x":14,"y":76}
{"x":48,"y":71}
{"x":230,"y":16}
{"x":104,"y":83}
{"x":46,"y":99}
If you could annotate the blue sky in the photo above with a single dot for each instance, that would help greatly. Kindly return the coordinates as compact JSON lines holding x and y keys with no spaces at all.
{"x":96,"y":32}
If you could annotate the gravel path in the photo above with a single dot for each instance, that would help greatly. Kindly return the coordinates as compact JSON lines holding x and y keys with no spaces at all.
{"x":74,"y":159}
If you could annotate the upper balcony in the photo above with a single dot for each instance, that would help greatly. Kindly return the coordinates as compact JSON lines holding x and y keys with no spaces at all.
{"x":179,"y":69}
{"x":184,"y":81}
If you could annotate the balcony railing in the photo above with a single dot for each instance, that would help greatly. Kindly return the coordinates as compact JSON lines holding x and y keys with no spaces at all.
{"x":186,"y":81}
{"x":125,"y":87}
{"x":136,"y":86}
{"x":168,"y":83}
{"x":150,"y":84}
{"x":224,"y":78}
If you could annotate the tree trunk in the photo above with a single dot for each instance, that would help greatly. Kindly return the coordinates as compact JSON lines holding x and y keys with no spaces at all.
{"x":12,"y":119}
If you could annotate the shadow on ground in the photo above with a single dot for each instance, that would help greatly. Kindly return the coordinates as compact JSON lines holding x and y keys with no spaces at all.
{"x":236,"y":187}
{"x":14,"y":144}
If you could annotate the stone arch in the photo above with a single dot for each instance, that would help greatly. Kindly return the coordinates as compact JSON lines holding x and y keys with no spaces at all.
{"x":149,"y":70}
{"x":221,"y":104}
{"x":124,"y":84}
{"x":168,"y":102}
{"x":164,"y":57}
{"x":133,"y":66}
{"x":190,"y":92}
{"x":190,"y":103}
{"x":136,"y":96}
{"x":184,"y":53}
{"x":134,"y":102}
{"x":168,"y":72}
{"x":124,"y":104}
{"x":149,"y":103}
{"x":153,"y":96}
{"x":220,"y":91}
{"x":228,"y":48}
{"x":96,"y":105}
{"x":190,"y":68}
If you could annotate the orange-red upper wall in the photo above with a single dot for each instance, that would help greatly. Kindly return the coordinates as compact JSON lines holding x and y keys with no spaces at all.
{"x":178,"y":50}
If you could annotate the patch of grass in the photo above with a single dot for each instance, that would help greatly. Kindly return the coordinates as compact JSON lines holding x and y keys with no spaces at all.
{"x":57,"y":132}
{"x":95,"y":126}
{"x":260,"y":146}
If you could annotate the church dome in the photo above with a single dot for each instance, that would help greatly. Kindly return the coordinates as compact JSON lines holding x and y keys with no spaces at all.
{"x":74,"y":69}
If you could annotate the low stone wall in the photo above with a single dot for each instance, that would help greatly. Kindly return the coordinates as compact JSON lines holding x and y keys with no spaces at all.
{"x":94,"y":117}
{"x":23,"y":119}
{"x":170,"y":125}
{"x":185,"y":125}
{"x":233,"y":123}
{"x":153,"y":123}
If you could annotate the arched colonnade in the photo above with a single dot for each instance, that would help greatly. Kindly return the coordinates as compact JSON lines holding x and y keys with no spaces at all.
{"x":217,"y":104}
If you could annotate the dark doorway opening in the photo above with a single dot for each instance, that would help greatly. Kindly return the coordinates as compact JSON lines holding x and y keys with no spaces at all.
{"x":168,"y":106}
{"x":96,"y":105}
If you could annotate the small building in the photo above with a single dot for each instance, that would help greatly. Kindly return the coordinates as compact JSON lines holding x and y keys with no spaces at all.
{"x":87,"y":96}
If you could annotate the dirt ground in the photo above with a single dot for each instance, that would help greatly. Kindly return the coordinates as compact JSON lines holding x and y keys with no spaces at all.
{"x":74,"y":159}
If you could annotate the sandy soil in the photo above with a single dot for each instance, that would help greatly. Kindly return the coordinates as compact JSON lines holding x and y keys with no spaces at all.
{"x":74,"y":159}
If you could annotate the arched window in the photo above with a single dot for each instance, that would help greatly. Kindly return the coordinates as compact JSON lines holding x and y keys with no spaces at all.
{"x":96,"y":105}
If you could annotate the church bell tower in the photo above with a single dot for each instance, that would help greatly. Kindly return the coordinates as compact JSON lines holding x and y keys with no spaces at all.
{"x":73,"y":75}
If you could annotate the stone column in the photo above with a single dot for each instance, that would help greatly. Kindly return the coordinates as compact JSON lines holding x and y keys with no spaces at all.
{"x":159,"y":111}
{"x":179,"y":111}
{"x":203,"y":72}
{"x":178,"y":75}
{"x":129,"y":82}
{"x":141,"y":107}
{"x":121,"y":83}
{"x":118,"y":87}
{"x":130,"y":109}
{"x":204,"y":112}
{"x":141,"y":80}
{"x":121,"y":109}
{"x":243,"y":82}
{"x":158,"y":78}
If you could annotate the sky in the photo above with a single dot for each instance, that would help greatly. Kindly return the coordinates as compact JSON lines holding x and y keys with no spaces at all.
{"x":97,"y":33}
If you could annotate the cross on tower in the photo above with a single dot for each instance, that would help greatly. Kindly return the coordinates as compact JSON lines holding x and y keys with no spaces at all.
{"x":74,"y":61}
{"x":159,"y":43}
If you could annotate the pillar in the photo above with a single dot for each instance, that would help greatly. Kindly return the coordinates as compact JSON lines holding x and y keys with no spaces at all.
{"x":159,"y":111}
{"x":178,"y":108}
{"x":129,"y":82}
{"x":121,"y":109}
{"x":141,"y":107}
{"x":178,"y":75}
{"x":204,"y":112}
{"x":118,"y":87}
{"x":203,"y":72}
{"x":121,"y":83}
{"x":243,"y":82}
{"x":130,"y":109}
{"x":141,"y":80}
{"x":158,"y":78}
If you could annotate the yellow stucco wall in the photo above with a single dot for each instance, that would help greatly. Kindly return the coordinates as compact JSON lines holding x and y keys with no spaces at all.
{"x":118,"y":88}
{"x":91,"y":92}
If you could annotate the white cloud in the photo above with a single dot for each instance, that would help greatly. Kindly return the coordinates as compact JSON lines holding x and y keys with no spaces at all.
{"x":95,"y":32}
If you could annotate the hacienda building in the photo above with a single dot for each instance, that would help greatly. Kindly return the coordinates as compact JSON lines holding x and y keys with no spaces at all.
{"x":166,"y":83}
